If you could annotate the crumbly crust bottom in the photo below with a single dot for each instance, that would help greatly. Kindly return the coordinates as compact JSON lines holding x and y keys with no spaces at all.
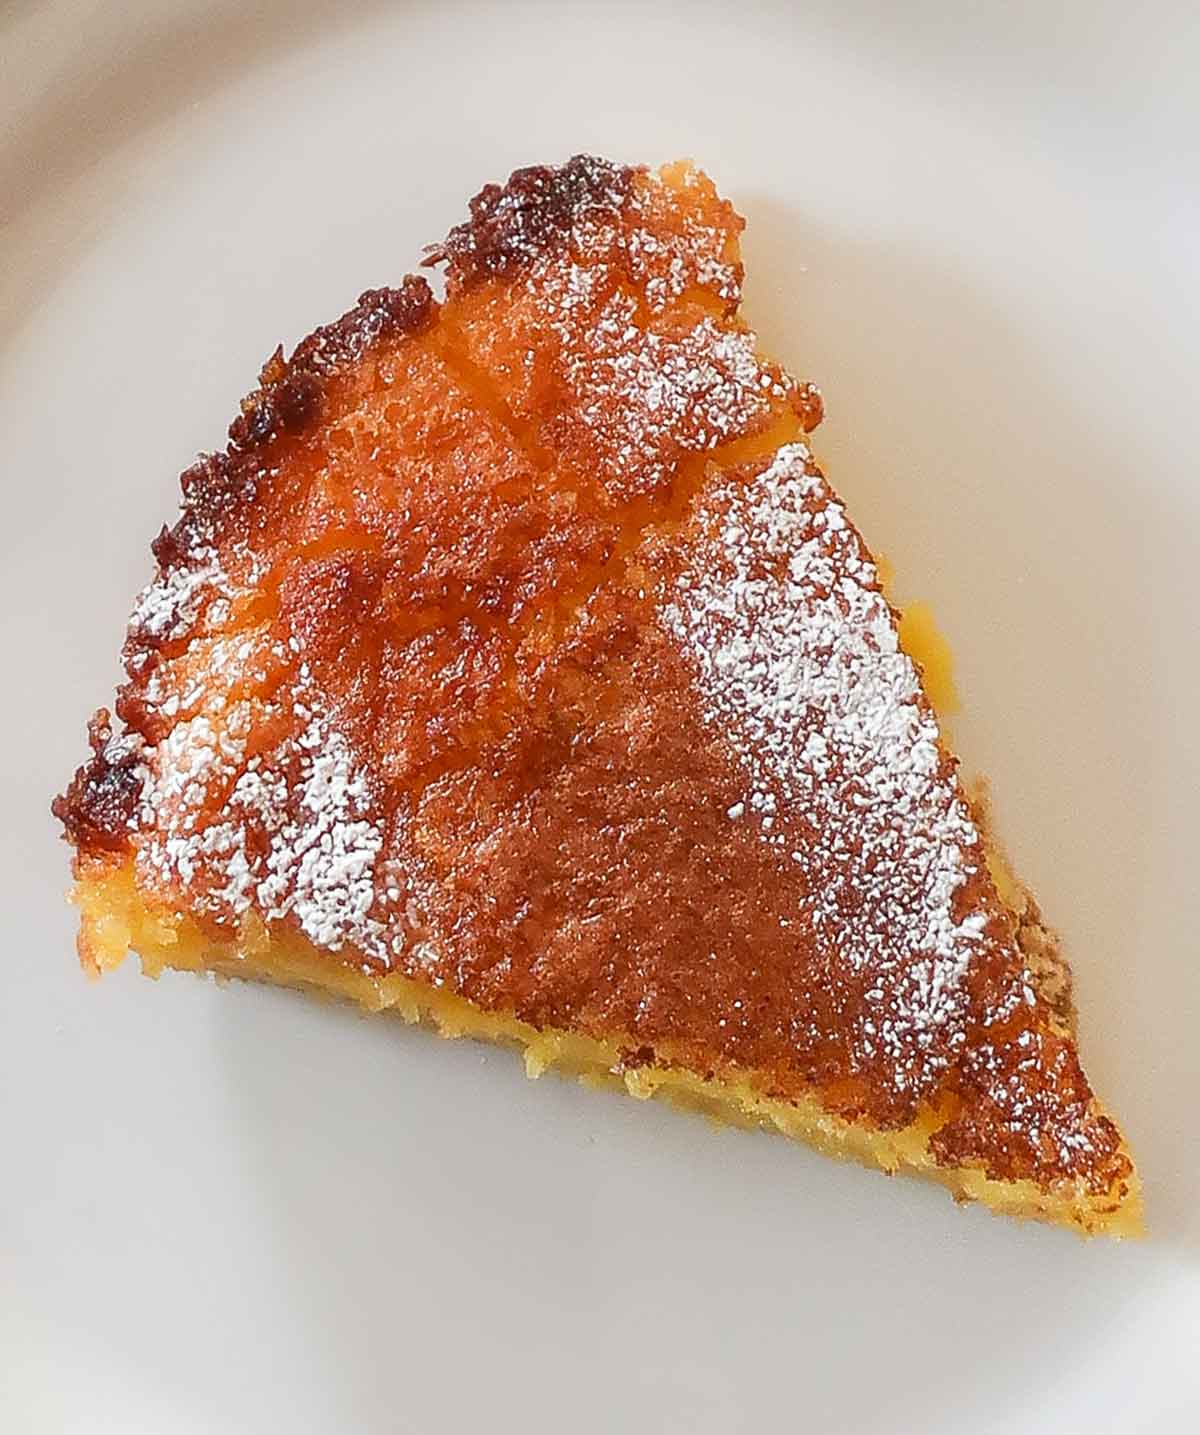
{"x":116,"y":918}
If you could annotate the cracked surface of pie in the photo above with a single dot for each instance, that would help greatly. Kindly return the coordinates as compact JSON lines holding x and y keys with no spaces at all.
{"x":515,"y":665}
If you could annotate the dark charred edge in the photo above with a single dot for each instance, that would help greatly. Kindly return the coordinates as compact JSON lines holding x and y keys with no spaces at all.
{"x":512,"y":224}
{"x":291,"y":390}
{"x":97,"y":809}
{"x":287,"y":400}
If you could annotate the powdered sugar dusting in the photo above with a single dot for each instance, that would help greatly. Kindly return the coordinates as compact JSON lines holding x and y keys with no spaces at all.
{"x":169,"y":606}
{"x":666,"y":262}
{"x":799,"y":662}
{"x":645,"y":394}
{"x":626,"y":278}
{"x":288,"y":831}
{"x":321,"y":862}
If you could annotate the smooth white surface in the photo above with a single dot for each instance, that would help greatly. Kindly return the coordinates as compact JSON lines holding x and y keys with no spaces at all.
{"x":975,"y":227}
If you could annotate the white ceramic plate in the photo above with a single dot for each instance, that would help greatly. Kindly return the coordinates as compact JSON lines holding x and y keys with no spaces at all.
{"x":234,"y":1211}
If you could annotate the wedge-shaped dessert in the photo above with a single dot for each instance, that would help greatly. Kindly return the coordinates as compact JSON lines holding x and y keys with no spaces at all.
{"x":515,"y":668}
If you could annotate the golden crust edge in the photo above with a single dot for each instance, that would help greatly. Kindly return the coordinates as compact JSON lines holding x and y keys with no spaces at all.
{"x":116,"y":918}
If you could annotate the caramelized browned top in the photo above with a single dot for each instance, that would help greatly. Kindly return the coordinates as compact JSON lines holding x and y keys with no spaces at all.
{"x":516,"y":644}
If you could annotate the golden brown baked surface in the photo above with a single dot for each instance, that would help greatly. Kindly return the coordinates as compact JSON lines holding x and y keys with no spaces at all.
{"x":515,"y":648}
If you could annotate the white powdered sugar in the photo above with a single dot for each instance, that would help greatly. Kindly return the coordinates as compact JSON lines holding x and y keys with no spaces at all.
{"x":639,"y":391}
{"x":668,"y":263}
{"x":288,"y":831}
{"x":799,"y":662}
{"x":168,"y":607}
{"x":321,"y":864}
{"x":647,"y":387}
{"x":644,"y":394}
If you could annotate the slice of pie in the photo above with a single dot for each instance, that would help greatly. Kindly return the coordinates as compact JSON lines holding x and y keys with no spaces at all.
{"x":514,"y":668}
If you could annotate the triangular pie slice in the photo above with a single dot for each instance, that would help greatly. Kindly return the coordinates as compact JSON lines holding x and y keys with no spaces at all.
{"x":515,"y":668}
